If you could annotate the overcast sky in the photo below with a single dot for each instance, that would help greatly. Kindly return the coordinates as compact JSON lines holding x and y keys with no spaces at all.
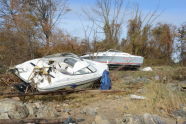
{"x":172,"y":12}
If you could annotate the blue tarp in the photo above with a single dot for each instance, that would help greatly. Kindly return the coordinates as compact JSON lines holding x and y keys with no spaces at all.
{"x":105,"y":81}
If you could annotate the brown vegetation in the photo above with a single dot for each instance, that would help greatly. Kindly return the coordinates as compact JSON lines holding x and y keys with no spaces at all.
{"x":28,"y":31}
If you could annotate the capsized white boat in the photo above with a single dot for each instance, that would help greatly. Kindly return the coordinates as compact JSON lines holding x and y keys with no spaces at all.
{"x":115,"y":58}
{"x":59,"y":71}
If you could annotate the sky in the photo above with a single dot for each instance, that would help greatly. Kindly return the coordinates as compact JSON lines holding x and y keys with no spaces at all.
{"x":171,"y":12}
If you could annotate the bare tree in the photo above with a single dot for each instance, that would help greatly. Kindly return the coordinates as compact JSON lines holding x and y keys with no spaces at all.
{"x":182,"y":43}
{"x":163,"y":37}
{"x":16,"y":16}
{"x":33,"y":20}
{"x":139,"y":28}
{"x":48,"y":13}
{"x":108,"y":16}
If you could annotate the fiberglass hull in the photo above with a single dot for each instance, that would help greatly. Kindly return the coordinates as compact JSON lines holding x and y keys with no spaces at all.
{"x":36,"y":72}
{"x":116,"y":59}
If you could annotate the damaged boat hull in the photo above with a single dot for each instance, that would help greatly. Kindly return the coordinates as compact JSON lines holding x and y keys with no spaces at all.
{"x":57,"y":72}
{"x":116,"y":59}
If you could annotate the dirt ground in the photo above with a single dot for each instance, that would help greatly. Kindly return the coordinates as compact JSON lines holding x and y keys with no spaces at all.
{"x":163,"y":92}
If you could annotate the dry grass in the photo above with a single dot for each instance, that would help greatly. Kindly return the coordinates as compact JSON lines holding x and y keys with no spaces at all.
{"x":159,"y":100}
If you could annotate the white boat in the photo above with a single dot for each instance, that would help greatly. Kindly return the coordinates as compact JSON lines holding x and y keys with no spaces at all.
{"x":59,"y":71}
{"x":115,"y":59}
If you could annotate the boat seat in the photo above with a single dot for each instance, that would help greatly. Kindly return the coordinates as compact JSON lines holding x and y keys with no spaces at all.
{"x":60,"y":66}
{"x":69,"y":70}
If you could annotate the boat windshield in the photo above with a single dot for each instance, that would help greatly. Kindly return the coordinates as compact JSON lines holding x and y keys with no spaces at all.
{"x":78,"y":67}
{"x":112,"y":50}
{"x":69,"y":55}
{"x":70,"y":61}
{"x":62,"y":55}
{"x":86,"y":70}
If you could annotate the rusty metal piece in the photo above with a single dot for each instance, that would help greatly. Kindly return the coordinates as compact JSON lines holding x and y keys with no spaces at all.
{"x":31,"y":121}
{"x":59,"y":92}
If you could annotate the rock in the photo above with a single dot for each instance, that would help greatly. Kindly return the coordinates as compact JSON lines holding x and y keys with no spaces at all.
{"x":4,"y":116}
{"x":70,"y":120}
{"x":145,"y":119}
{"x":32,"y":109}
{"x":132,"y":119}
{"x":157,"y":77}
{"x":47,"y":111}
{"x":12,"y":109}
{"x":180,"y":121}
{"x":117,"y":97}
{"x":90,"y":111}
{"x":132,"y":96}
{"x":16,"y":98}
{"x":67,"y":110}
{"x":80,"y":120}
{"x":140,"y":91}
{"x":59,"y":108}
{"x":137,"y":80}
{"x":173,"y":87}
{"x":38,"y":104}
{"x":182,"y":85}
{"x":146,"y":69}
{"x":152,"y":119}
{"x":101,"y":120}
{"x":93,"y":122}
{"x":180,"y":113}
{"x":65,"y":104}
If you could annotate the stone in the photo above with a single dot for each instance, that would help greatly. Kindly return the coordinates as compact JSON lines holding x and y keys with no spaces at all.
{"x":67,"y":110}
{"x":47,"y":111}
{"x":117,"y":97}
{"x":101,"y":120}
{"x":70,"y":120}
{"x":152,"y":119}
{"x":4,"y":116}
{"x":38,"y":104}
{"x":144,"y":119}
{"x":80,"y":119}
{"x":182,"y":85}
{"x":65,"y":105}
{"x":173,"y":87}
{"x":137,"y":80}
{"x":157,"y":77}
{"x":32,"y":109}
{"x":93,"y":122}
{"x":118,"y":121}
{"x":16,"y":98}
{"x":90,"y":111}
{"x":12,"y":109}
{"x":132,"y":119}
{"x":179,"y":113}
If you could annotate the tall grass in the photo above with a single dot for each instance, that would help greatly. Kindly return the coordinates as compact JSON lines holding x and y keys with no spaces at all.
{"x":159,"y":100}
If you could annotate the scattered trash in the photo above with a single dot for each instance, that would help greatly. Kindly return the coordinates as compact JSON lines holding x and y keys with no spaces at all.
{"x":146,"y":69}
{"x":137,"y":97}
